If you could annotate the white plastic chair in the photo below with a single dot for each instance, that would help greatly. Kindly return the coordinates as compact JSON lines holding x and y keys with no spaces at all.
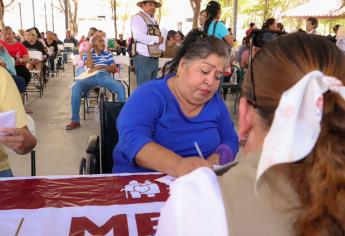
{"x":37,"y":74}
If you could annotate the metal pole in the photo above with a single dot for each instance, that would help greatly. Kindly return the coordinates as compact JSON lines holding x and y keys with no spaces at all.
{"x":115,"y":25}
{"x":33,"y":12}
{"x":66,"y":14}
{"x":45,"y":15}
{"x":235,"y":18}
{"x":52,"y":15}
{"x":20,"y":15}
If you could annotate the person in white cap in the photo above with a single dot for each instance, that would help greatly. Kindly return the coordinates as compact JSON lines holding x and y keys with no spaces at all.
{"x":146,"y":40}
{"x":291,"y":180}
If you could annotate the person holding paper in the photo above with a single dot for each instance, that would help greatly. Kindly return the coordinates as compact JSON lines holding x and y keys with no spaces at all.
{"x":163,"y":118}
{"x":291,"y":179}
{"x":15,"y":136}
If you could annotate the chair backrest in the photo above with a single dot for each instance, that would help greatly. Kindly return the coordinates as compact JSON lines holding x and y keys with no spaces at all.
{"x":68,"y":45}
{"x":35,"y":55}
{"x":109,"y":111}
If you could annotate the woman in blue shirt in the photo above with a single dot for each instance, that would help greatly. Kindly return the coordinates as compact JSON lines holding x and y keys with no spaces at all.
{"x":213,"y":26}
{"x":162,"y":119}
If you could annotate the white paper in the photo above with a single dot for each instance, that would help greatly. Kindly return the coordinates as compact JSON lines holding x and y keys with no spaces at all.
{"x":167,"y":179}
{"x":7,"y":120}
{"x":164,"y":34}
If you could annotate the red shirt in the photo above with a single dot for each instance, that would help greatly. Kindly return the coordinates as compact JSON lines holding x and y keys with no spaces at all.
{"x":15,"y":49}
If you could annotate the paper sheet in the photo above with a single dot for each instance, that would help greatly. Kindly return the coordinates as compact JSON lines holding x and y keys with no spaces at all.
{"x":85,"y":75}
{"x":164,"y":33}
{"x":7,"y":120}
{"x":167,"y":179}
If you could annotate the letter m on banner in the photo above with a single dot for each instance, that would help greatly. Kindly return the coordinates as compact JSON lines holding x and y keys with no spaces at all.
{"x":116,"y":223}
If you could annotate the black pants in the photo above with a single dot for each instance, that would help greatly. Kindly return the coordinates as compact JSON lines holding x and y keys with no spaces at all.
{"x":23,"y":72}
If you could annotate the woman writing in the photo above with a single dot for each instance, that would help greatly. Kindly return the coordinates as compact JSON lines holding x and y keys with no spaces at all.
{"x":173,"y":113}
{"x":291,"y":180}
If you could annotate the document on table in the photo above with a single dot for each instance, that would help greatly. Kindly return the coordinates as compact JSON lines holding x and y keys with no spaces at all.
{"x":7,"y":120}
{"x":167,"y":179}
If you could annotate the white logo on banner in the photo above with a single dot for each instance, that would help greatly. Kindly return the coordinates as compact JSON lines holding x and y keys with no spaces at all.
{"x":136,"y":189}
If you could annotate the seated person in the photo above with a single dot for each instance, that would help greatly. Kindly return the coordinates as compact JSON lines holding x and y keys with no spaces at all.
{"x":32,"y":44}
{"x":122,"y":44}
{"x":18,"y":139}
{"x":18,"y":51}
{"x":52,"y":50}
{"x":171,"y":47}
{"x":96,"y":59}
{"x":162,"y":120}
{"x":291,"y":178}
{"x":8,"y":63}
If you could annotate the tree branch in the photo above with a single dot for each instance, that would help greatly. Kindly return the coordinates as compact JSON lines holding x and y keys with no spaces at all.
{"x":10,"y":3}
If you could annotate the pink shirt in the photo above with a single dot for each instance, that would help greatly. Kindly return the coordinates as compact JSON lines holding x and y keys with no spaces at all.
{"x":83,"y":47}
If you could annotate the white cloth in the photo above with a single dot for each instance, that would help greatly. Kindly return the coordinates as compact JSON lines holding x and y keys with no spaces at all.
{"x":195,"y":206}
{"x":139,"y":30}
{"x":296,"y":125}
{"x":341,"y":44}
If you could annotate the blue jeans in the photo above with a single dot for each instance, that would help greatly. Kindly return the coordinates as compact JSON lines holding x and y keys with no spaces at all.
{"x":102,"y":79}
{"x":6,"y":173}
{"x":146,"y":68}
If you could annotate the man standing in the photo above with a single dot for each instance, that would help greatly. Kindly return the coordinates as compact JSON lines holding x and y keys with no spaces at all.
{"x":100,"y":64}
{"x":147,"y":37}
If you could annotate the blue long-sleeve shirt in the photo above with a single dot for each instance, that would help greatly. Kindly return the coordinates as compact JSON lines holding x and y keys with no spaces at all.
{"x":152,"y":114}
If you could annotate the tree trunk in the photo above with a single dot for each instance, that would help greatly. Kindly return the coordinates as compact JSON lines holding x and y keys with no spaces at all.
{"x":160,"y":12}
{"x":266,"y":10}
{"x":2,"y":12}
{"x":72,"y":14}
{"x":195,"y":4}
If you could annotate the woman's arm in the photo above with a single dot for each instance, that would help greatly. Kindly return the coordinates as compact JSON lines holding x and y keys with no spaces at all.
{"x":229,"y":39}
{"x":154,"y":156}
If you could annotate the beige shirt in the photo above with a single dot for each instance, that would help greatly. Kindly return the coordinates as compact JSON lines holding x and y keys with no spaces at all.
{"x":10,"y":100}
{"x":271,"y":212}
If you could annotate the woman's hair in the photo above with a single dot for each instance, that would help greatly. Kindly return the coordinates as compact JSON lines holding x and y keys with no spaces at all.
{"x":197,"y":45}
{"x":212,"y":9}
{"x":171,"y":34}
{"x":32,"y":32}
{"x":180,"y":33}
{"x":313,"y":21}
{"x":268,"y":23}
{"x":319,"y":179}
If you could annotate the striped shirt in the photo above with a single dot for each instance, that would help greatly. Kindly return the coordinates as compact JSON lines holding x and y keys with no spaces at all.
{"x":104,"y":58}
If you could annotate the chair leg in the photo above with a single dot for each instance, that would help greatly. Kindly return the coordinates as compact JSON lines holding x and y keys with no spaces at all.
{"x":33,"y":163}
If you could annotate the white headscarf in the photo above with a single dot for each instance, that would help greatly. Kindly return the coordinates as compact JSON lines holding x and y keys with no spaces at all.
{"x":296,"y":125}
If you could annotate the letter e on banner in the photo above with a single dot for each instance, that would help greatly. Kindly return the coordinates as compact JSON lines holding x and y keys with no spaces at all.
{"x":116,"y":223}
{"x":147,"y":223}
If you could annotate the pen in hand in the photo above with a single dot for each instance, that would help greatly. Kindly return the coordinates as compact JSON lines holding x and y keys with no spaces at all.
{"x":198,"y":150}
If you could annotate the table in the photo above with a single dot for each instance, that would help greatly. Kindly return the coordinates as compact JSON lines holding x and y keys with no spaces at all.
{"x":81,"y":205}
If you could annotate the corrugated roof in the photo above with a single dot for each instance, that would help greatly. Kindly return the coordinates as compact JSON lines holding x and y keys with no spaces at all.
{"x":318,"y":9}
